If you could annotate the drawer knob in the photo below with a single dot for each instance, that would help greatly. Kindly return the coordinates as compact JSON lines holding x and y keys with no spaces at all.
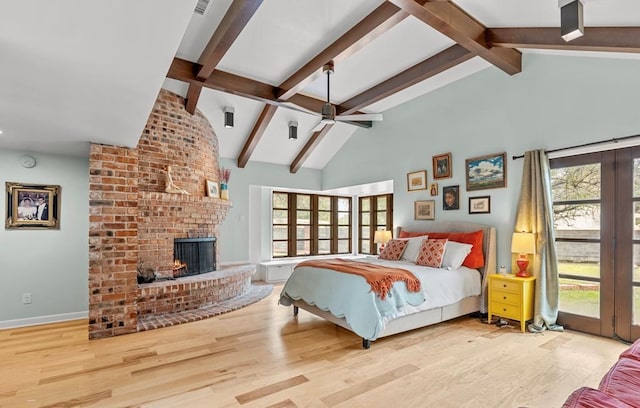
{"x":504,"y":310}
{"x":504,"y":297}
{"x":504,"y":286}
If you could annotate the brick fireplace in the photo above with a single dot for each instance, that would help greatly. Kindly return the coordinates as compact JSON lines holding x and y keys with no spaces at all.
{"x":134,"y":222}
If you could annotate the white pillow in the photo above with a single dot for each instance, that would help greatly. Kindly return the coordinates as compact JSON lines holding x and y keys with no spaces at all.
{"x":454,"y":254}
{"x":413,"y":248}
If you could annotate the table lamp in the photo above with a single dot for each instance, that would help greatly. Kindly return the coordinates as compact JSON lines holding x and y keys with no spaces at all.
{"x":381,"y":237}
{"x":523,"y":243}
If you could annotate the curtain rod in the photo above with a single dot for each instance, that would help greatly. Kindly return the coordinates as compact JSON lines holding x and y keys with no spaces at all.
{"x":614,"y":140}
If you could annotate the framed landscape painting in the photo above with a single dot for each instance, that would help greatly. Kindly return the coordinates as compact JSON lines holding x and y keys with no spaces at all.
{"x":485,"y":172}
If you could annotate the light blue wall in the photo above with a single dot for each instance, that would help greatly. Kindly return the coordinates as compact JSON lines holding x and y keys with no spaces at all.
{"x":50,"y":264}
{"x":555,"y":102}
{"x":234,"y":231}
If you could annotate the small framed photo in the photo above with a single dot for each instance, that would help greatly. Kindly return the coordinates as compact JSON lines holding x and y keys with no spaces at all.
{"x":480,"y":205}
{"x":442,"y":166}
{"x":417,"y":180}
{"x":212,"y":189}
{"x":32,"y":206}
{"x":451,"y":198}
{"x":485,"y":172}
{"x":433,"y":189}
{"x":425,"y":210}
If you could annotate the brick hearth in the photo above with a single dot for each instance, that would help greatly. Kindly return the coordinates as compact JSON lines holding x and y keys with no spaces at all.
{"x":133,"y":221}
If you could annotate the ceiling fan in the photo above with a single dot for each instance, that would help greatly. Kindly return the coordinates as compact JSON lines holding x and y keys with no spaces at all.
{"x":328,"y":112}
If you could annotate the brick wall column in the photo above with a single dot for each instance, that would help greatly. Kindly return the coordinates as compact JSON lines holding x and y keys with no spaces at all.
{"x":113,"y":241}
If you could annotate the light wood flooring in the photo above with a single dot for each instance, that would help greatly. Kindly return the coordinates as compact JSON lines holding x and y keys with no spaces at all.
{"x":262,"y":356}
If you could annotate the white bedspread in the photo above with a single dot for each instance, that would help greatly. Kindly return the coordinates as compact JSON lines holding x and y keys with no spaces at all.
{"x":349,"y":296}
{"x":441,"y":287}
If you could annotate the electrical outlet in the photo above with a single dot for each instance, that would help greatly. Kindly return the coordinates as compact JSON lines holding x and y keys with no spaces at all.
{"x":26,"y":298}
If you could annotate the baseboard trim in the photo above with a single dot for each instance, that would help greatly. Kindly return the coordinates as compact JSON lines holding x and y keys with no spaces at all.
{"x":33,"y":321}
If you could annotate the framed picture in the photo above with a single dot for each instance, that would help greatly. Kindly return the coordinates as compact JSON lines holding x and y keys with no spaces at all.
{"x":32,"y":206}
{"x":451,"y":198}
{"x":488,"y":171}
{"x":442,"y":166}
{"x":212,"y":189}
{"x":480,"y":205}
{"x":433,"y":189}
{"x":417,"y":180}
{"x":425,"y":210}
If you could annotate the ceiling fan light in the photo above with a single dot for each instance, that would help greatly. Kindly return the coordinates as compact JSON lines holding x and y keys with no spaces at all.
{"x":571,"y":20}
{"x":228,"y":116}
{"x":293,"y":130}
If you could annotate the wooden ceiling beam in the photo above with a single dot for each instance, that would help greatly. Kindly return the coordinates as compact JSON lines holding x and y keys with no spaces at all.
{"x":378,"y":22}
{"x":256,"y":134}
{"x":434,"y":65}
{"x":193,"y":94}
{"x":455,"y":23}
{"x":232,"y":24}
{"x":183,"y":70}
{"x":309,"y":147}
{"x":605,"y":39}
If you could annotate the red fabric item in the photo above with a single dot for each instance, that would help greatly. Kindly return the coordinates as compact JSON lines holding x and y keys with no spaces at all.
{"x":393,"y":250}
{"x":623,"y":381}
{"x":475,"y":259}
{"x":586,"y":397}
{"x":633,"y":351}
{"x":380,"y":278}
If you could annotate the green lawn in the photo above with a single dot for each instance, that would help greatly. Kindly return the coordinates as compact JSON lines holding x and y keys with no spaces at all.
{"x":583,"y":300}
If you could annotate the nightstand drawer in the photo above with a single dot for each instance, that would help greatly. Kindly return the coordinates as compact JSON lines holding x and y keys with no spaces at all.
{"x":503,"y":284}
{"x":505,"y":310}
{"x":506,"y":297}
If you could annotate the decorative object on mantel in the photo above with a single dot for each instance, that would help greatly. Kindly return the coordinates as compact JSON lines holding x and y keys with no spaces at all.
{"x":212,"y":189}
{"x":145,"y":273}
{"x":171,"y":186}
{"x":225,"y":175}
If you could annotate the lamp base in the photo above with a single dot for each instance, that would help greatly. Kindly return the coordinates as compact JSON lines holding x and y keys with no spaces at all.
{"x":522,"y":263}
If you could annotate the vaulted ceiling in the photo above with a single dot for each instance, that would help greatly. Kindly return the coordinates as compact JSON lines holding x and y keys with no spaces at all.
{"x":76,"y":71}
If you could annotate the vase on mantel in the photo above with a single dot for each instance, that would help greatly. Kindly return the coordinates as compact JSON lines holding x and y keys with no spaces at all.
{"x":224,"y":191}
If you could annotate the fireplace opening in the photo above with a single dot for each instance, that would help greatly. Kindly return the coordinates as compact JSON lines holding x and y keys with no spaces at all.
{"x":193,"y":256}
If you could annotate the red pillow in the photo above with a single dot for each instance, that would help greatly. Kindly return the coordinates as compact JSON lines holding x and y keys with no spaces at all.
{"x":475,"y":259}
{"x":393,"y":249}
{"x":409,"y":234}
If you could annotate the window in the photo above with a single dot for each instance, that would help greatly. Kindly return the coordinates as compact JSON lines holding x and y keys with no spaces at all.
{"x":309,"y":224}
{"x":375,"y":213}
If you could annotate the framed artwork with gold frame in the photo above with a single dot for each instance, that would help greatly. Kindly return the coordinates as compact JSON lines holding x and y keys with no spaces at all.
{"x":32,"y":206}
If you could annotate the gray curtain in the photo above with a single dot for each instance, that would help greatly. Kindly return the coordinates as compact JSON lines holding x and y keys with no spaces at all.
{"x":535,"y":214}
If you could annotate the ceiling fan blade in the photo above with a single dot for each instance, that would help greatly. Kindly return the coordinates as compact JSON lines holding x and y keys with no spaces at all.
{"x":318,"y":127}
{"x":362,"y":116}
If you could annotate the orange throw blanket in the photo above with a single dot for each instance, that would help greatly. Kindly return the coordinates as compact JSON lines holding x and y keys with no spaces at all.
{"x":380,"y":278}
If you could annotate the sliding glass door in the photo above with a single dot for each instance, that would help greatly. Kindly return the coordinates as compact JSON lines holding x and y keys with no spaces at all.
{"x":596,"y":204}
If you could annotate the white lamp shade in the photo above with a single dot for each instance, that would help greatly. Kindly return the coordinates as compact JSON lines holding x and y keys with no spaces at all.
{"x":381,"y":236}
{"x":523,"y":243}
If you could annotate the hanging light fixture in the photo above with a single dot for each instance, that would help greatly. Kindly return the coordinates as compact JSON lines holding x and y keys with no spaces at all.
{"x":293,"y":130}
{"x":228,"y":117}
{"x":571,"y":19}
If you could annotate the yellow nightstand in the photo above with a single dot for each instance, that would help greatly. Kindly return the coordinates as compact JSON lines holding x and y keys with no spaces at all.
{"x":511,"y":297}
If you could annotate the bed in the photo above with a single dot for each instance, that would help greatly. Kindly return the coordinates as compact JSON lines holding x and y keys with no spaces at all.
{"x":401,"y":311}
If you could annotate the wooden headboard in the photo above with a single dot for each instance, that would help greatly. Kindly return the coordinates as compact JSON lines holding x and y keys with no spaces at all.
{"x":488,"y":246}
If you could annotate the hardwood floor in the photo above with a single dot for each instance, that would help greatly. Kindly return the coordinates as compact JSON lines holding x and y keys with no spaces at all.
{"x":262,"y":356}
